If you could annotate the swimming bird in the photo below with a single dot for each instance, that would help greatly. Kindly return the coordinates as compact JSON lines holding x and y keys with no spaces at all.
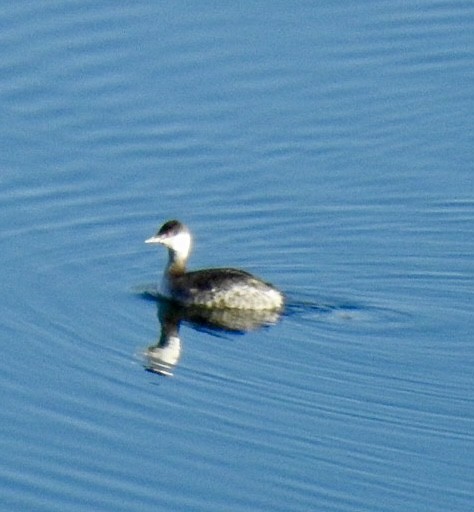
{"x":210,"y":288}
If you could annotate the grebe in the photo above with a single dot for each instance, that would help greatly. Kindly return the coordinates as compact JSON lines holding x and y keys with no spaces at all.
{"x":211,"y":288}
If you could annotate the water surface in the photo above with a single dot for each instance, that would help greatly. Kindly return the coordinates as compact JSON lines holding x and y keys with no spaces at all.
{"x":327,"y":149}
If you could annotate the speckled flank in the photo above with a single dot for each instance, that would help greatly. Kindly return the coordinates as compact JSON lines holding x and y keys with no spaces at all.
{"x":244,"y":293}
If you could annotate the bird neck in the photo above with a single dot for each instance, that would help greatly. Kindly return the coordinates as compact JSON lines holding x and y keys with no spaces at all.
{"x":176,"y":263}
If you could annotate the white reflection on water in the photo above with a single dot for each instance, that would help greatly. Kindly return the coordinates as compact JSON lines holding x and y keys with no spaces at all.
{"x":164,"y":355}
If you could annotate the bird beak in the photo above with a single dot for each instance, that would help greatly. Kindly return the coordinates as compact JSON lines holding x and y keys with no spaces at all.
{"x":154,"y":240}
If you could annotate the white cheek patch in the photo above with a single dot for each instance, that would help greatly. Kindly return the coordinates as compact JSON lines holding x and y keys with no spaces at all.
{"x":181,"y":243}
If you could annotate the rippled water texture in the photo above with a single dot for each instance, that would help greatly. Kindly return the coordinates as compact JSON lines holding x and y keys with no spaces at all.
{"x":327,"y":149}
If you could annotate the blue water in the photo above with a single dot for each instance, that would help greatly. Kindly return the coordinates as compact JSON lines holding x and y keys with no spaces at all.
{"x":326,"y":148}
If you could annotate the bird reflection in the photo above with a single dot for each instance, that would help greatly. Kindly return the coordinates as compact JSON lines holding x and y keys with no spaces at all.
{"x":163,"y":356}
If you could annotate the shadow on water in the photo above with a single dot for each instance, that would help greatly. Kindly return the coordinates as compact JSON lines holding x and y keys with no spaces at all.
{"x":163,"y":356}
